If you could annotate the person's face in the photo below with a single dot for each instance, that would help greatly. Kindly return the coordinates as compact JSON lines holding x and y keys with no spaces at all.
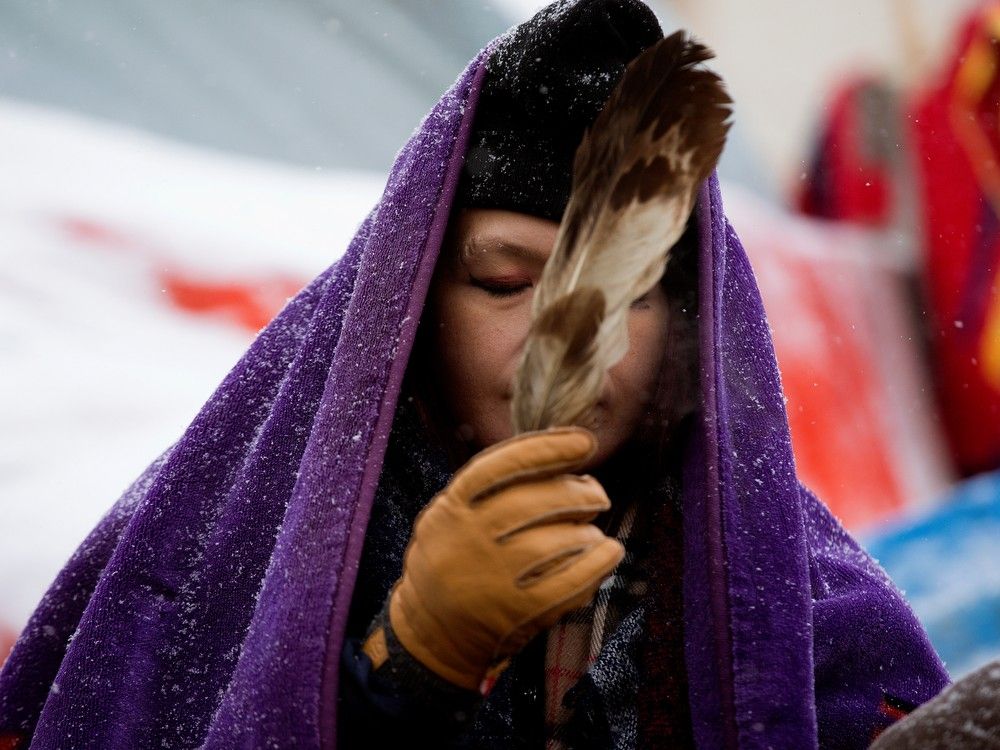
{"x":480,"y":301}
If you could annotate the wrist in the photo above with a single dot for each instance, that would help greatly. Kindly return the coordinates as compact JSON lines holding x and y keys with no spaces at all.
{"x":447,"y":660}
{"x":396,"y":670}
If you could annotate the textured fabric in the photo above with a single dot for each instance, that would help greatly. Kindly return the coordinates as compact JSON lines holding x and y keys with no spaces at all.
{"x":953,"y":128}
{"x":851,"y":168}
{"x":794,"y":633}
{"x":209,"y":608}
{"x":664,"y":716}
{"x":546,"y":80}
{"x":603,"y":701}
{"x":399,"y":700}
{"x":574,"y":643}
{"x":415,"y":469}
{"x":604,"y":706}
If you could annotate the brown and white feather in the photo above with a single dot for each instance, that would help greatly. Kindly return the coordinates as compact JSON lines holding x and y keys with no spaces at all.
{"x":636,"y":175}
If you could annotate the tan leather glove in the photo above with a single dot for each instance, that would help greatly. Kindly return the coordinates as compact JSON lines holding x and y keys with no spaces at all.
{"x":500,"y":555}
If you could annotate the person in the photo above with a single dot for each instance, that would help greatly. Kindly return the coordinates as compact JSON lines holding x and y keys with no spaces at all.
{"x":348,"y":545}
{"x":965,"y":715}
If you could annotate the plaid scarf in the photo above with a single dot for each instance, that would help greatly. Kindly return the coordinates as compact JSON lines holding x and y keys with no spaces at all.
{"x":576,"y":641}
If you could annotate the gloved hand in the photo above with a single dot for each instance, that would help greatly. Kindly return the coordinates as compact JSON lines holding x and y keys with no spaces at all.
{"x":500,"y":555}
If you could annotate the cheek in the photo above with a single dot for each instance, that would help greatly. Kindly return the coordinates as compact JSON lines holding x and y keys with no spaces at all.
{"x":477,"y":353}
{"x":647,"y":335}
{"x":477,"y":350}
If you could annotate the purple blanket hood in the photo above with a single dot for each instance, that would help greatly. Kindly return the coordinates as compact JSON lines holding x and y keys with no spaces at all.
{"x":208,"y":607}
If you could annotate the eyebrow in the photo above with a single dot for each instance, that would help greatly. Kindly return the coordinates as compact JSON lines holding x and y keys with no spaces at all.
{"x":476,"y":245}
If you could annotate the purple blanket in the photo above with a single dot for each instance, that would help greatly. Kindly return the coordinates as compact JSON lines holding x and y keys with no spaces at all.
{"x":208,"y":608}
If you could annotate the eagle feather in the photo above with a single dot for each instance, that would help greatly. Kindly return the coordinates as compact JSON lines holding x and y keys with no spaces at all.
{"x":636,"y":175}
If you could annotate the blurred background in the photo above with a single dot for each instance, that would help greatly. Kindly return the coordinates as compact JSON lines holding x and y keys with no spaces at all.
{"x":173,"y":172}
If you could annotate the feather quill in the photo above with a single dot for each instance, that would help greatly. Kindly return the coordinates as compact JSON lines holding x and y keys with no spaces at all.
{"x":636,"y":175}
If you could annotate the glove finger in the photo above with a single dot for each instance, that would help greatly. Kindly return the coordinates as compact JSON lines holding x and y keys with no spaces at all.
{"x":525,"y":505}
{"x":539,"y":546}
{"x":573,"y":568}
{"x":564,"y":590}
{"x":531,"y":455}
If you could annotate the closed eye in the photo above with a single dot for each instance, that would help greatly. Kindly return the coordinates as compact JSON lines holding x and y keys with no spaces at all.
{"x":496,"y":289}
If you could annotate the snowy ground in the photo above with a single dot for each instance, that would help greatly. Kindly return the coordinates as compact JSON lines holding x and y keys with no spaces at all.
{"x":134,"y":272}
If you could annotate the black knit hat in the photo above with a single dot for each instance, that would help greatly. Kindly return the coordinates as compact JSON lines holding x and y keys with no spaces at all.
{"x":545,"y":83}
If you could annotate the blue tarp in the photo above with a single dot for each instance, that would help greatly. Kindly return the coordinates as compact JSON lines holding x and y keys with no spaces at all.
{"x":948,"y":564}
